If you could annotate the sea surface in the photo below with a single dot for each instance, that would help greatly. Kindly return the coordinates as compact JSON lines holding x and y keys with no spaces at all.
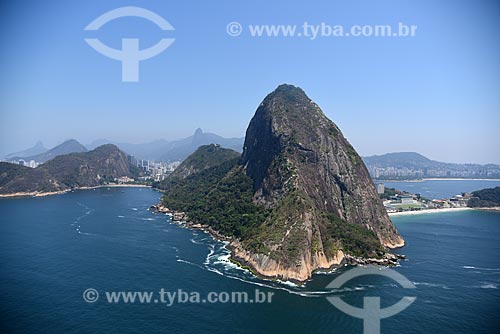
{"x":52,"y":249}
{"x":438,"y":189}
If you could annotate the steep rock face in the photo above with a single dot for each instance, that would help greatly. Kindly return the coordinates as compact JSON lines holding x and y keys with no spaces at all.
{"x":308,"y":174}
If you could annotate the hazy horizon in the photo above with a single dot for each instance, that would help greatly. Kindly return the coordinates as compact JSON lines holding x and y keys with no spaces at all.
{"x":436,"y":93}
{"x":86,"y":144}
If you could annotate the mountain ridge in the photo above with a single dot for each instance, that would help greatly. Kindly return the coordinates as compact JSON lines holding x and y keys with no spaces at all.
{"x":68,"y":146}
{"x":38,"y":148}
{"x":174,"y":150}
{"x":66,"y":172}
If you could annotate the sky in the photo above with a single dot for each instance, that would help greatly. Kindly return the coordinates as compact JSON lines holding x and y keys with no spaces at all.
{"x":436,"y":93}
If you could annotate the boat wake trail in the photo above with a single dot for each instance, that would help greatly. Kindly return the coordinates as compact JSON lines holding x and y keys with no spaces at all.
{"x":77,"y":221}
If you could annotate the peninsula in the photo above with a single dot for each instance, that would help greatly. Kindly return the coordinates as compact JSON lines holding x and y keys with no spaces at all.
{"x":298,"y":199}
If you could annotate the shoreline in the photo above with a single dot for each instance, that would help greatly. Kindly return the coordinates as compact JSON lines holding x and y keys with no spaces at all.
{"x":427,"y":211}
{"x":232,"y":245}
{"x":491,"y":208}
{"x":60,"y":192}
{"x":435,"y":179}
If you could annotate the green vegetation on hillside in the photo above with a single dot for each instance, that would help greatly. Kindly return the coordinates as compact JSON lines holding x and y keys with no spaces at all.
{"x":219,"y":196}
{"x":16,"y":178}
{"x":206,"y":156}
{"x":351,"y":238}
{"x":488,"y":197}
{"x":63,"y":172}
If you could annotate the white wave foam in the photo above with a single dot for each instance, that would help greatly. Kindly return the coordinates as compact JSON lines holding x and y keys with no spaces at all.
{"x":218,"y":261}
{"x":489,"y":286}
{"x":207,"y":259}
{"x":432,"y":285}
{"x":228,"y":264}
{"x":293,"y":285}
{"x":188,"y":262}
{"x":321,"y":272}
{"x":195,"y":242}
{"x":478,"y":268}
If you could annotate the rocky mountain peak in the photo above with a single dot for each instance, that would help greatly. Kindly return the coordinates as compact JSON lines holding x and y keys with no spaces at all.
{"x":291,"y":146}
{"x":299,"y":199}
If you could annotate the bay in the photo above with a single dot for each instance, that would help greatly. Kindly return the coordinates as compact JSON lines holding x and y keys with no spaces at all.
{"x":52,"y":249}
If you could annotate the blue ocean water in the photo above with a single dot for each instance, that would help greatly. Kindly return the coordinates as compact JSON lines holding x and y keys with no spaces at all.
{"x":54,"y":248}
{"x":437,"y":189}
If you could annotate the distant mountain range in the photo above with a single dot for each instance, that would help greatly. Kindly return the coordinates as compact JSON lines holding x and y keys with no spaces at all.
{"x":69,"y":146}
{"x":177,"y":150}
{"x":35,"y":150}
{"x":412,"y":165}
{"x":158,"y":150}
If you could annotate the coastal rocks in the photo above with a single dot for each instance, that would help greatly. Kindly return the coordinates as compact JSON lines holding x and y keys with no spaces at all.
{"x":159,"y":208}
{"x":388,"y":259}
{"x":182,"y":219}
{"x":265,"y":266}
{"x":179,"y":216}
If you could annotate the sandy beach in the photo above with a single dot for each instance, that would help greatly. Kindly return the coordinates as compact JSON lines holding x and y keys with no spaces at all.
{"x":421,"y":212}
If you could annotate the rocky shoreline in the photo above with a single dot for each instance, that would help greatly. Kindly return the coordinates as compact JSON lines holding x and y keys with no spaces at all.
{"x":491,"y":208}
{"x":256,"y":263}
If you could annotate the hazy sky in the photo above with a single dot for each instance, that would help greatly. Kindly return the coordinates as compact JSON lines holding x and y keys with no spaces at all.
{"x":437,"y":93}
